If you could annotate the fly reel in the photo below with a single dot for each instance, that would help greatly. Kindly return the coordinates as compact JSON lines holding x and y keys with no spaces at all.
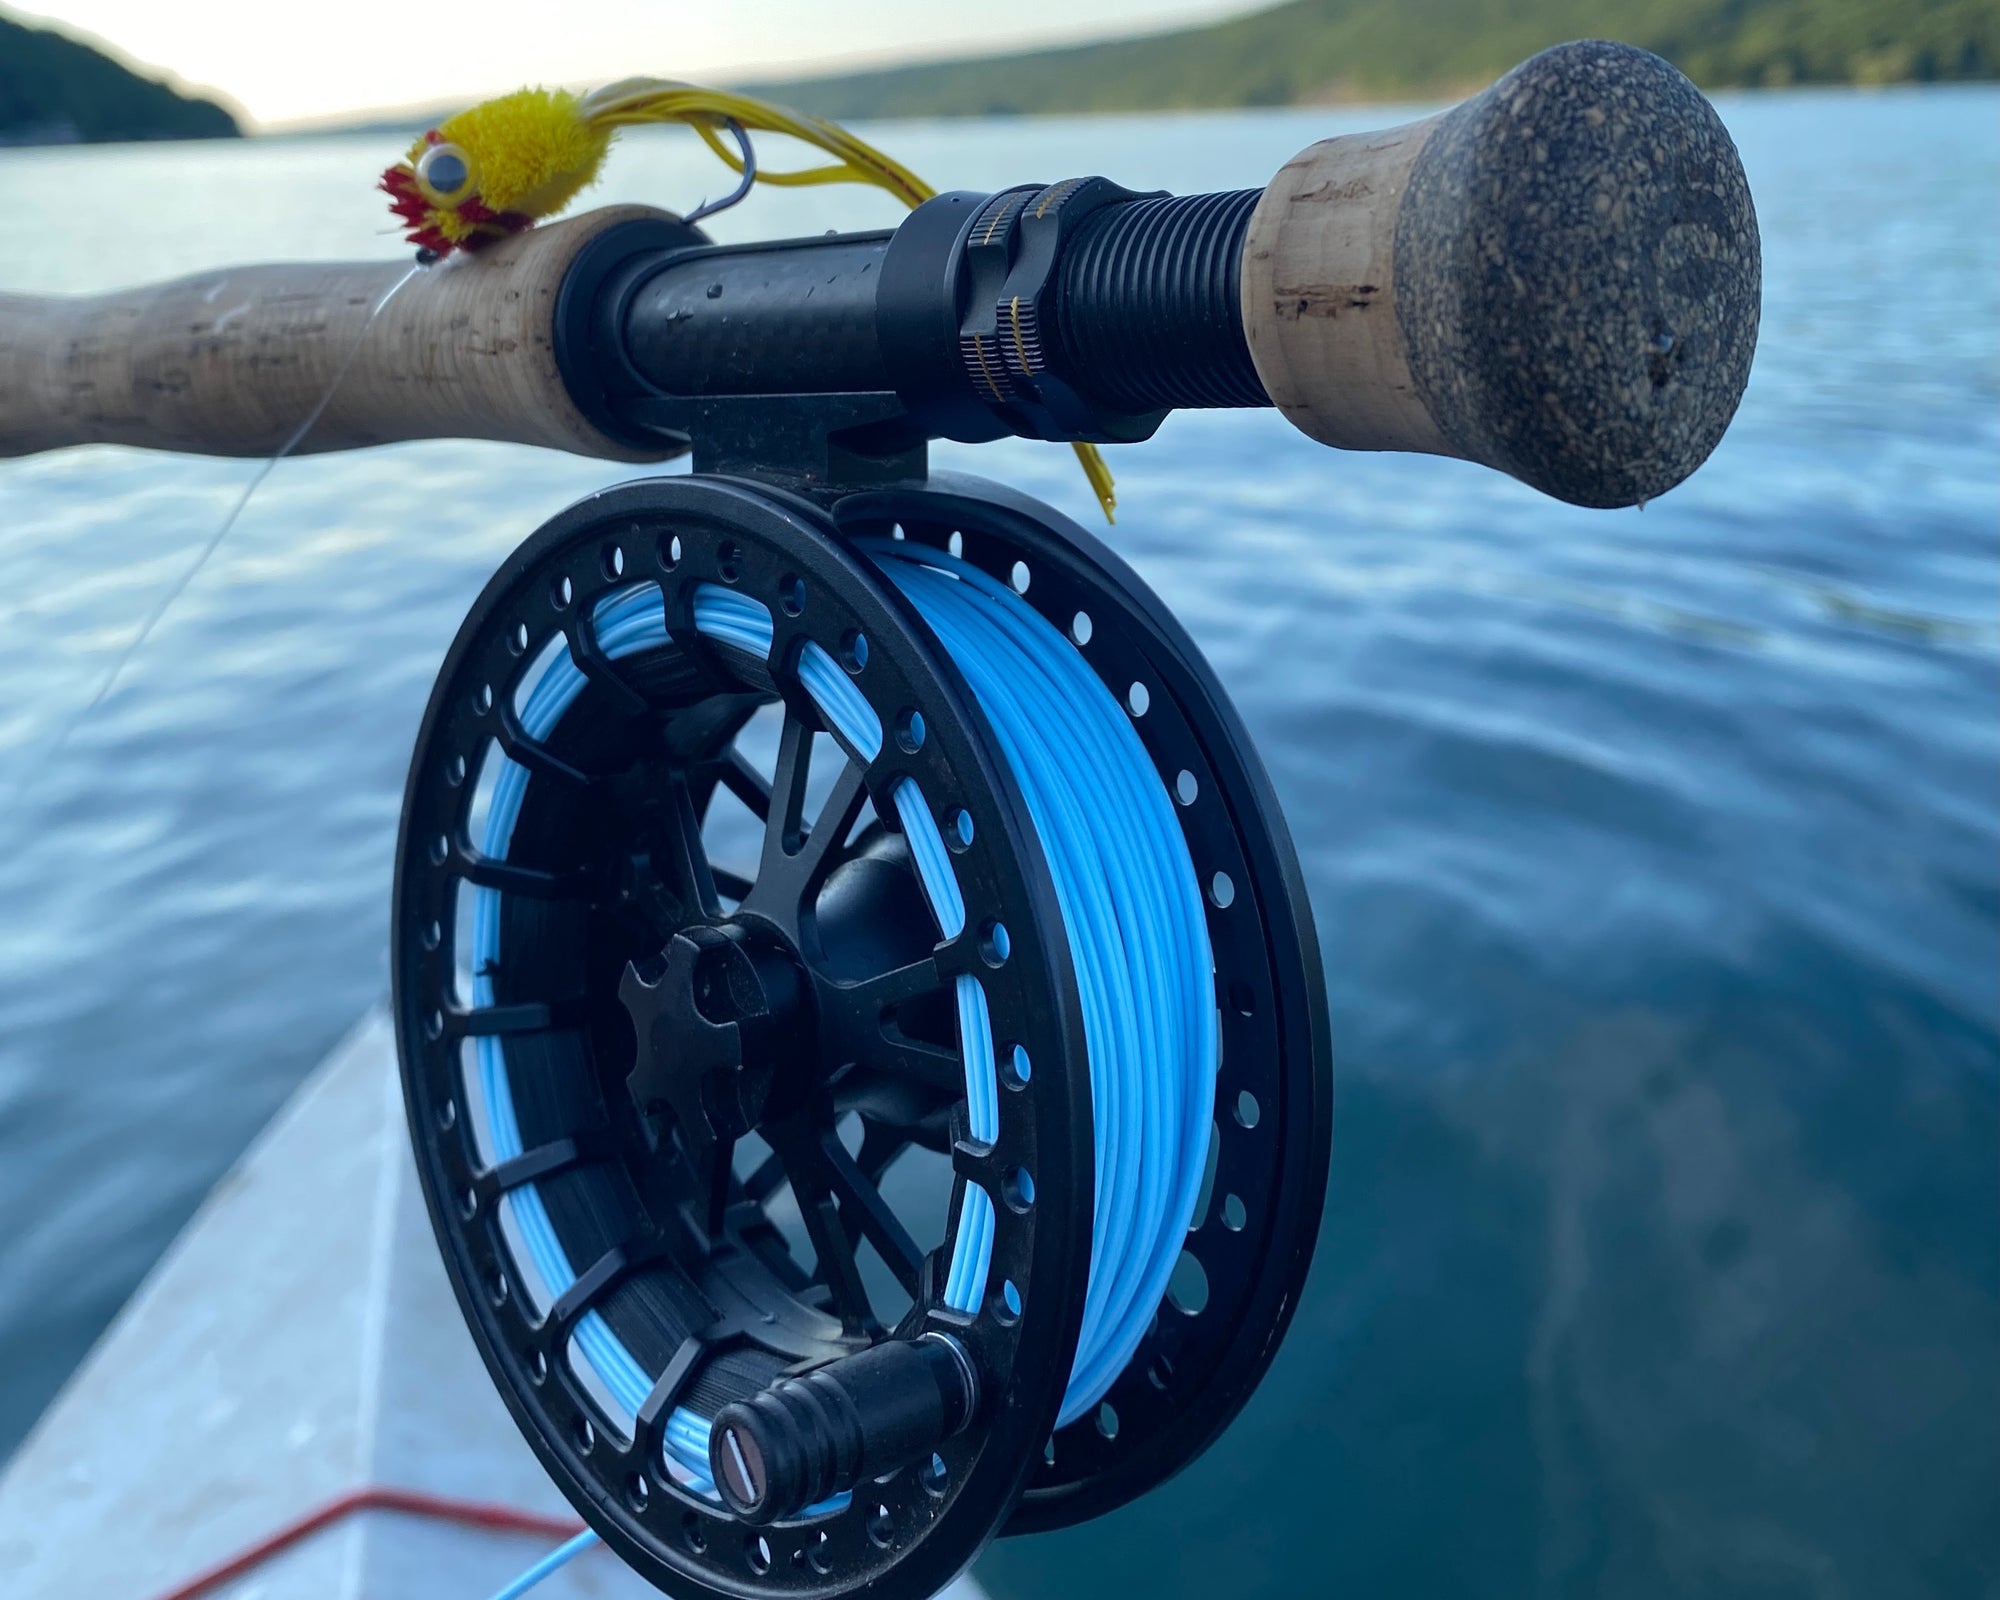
{"x":847,"y":1138}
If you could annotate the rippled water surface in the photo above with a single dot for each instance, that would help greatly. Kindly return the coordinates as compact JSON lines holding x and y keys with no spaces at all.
{"x":1654,"y":856}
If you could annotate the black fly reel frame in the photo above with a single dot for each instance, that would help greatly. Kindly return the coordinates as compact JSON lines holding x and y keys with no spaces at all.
{"x":860,"y":1015}
{"x":662,"y":1015}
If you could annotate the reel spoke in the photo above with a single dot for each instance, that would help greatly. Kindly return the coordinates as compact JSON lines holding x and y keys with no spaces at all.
{"x":544,"y":1161}
{"x":519,"y":747}
{"x":785,"y":809}
{"x":889,"y":1050}
{"x":485,"y":1022}
{"x":688,"y":875}
{"x":595,"y":1282}
{"x":666,"y":1391}
{"x":862,"y":1203}
{"x":880,"y":995}
{"x":594,"y":664}
{"x":740,"y":777}
{"x":798,"y":857}
{"x":862,"y":1027}
{"x":531,"y":883}
{"x":915,"y":1110}
{"x":839,"y":1270}
{"x":765,"y":1178}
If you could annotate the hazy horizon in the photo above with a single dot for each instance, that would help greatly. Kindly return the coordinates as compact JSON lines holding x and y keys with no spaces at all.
{"x":216,"y":48}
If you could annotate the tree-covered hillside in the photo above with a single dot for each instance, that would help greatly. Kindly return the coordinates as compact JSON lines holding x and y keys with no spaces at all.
{"x":1317,"y":50}
{"x":55,"y":90}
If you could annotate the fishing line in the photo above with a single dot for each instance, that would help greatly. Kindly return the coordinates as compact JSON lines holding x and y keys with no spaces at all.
{"x":179,"y":586}
{"x":1131,"y":909}
{"x":548,"y":1566}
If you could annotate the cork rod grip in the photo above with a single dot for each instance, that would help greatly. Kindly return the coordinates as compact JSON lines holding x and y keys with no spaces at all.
{"x":1559,"y":278}
{"x":233,"y":362}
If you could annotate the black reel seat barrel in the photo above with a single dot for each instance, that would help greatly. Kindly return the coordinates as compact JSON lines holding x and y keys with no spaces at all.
{"x":1075,"y":311}
{"x":1559,"y":278}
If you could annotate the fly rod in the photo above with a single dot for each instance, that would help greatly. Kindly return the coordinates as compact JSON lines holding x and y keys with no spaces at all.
{"x":1559,"y":278}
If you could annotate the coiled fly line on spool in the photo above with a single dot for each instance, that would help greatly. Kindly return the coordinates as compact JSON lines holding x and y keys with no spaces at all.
{"x":1131,"y":908}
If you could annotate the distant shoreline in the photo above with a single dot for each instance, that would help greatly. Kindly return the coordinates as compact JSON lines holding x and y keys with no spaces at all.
{"x":378,"y":128}
{"x":392,"y":127}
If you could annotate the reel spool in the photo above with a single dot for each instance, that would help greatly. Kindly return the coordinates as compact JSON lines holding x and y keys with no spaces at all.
{"x":673,"y":1117}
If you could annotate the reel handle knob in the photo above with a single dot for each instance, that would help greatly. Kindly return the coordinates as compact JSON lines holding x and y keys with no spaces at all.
{"x":809,"y":1438}
{"x":1559,"y":278}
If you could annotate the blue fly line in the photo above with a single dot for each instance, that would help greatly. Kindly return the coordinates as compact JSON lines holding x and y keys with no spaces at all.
{"x":1132,"y":914}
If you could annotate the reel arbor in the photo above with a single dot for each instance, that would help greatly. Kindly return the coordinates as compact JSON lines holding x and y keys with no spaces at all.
{"x":675,"y":1111}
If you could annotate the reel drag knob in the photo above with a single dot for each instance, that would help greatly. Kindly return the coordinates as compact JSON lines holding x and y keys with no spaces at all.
{"x":807,"y":1439}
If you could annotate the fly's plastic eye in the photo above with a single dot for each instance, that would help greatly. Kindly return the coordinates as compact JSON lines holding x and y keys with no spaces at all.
{"x":444,"y":173}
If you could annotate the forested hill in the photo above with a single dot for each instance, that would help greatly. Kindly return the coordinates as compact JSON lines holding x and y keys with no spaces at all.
{"x":54,"y":90}
{"x":1326,"y":50}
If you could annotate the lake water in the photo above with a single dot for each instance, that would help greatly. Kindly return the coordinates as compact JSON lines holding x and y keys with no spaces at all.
{"x":1655,"y":857}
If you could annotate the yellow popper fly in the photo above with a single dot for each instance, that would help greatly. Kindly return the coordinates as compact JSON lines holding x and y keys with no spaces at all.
{"x":504,"y":165}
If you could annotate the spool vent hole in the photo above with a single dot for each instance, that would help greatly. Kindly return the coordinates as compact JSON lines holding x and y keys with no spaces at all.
{"x":1016,"y":1070}
{"x":1019,"y":1189}
{"x":1188,"y":1287}
{"x":933,"y":1476}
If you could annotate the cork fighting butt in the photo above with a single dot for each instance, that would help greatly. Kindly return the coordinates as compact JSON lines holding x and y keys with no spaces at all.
{"x":1559,"y":278}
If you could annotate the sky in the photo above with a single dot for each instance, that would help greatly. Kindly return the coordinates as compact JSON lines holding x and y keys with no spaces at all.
{"x":286,"y":63}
